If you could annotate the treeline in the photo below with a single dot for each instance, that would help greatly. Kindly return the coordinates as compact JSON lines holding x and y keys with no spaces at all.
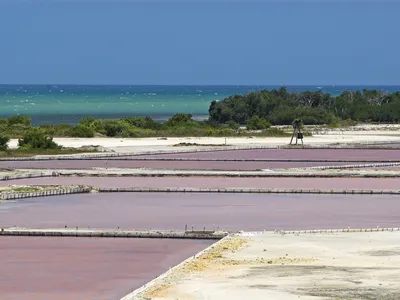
{"x":135,"y":127}
{"x":279,"y":107}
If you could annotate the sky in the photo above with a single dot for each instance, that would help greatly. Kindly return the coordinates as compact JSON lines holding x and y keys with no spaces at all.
{"x":219,"y":42}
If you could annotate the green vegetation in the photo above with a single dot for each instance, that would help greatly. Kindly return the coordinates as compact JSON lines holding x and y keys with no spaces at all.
{"x":257,"y":123}
{"x":25,"y":189}
{"x":34,"y":142}
{"x":33,"y":152}
{"x":34,"y":139}
{"x":280,"y":108}
{"x":129,"y":127}
{"x":4,"y":143}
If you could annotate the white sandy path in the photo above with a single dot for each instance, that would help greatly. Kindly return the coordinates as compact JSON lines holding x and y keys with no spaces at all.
{"x":154,"y":144}
{"x":347,"y":266}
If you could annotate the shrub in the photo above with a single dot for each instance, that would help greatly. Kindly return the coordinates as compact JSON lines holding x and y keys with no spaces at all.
{"x":3,"y":122}
{"x":35,"y":139}
{"x":233,"y":125}
{"x":350,"y":122}
{"x":23,"y":120}
{"x":17,"y":129}
{"x":94,"y":124}
{"x":336,"y":123}
{"x":257,"y":123}
{"x":180,"y":120}
{"x":130,"y":131}
{"x":57,"y":130}
{"x":114,"y":128}
{"x":144,"y":123}
{"x":82,"y":131}
{"x":273,"y":131}
{"x":111,"y":127}
{"x":4,"y":142}
{"x":224,"y":132}
{"x":87,"y":121}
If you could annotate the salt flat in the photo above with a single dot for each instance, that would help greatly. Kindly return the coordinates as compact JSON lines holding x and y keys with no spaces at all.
{"x":363,"y":265}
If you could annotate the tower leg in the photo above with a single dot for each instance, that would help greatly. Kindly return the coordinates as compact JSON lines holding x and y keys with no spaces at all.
{"x":291,"y":140}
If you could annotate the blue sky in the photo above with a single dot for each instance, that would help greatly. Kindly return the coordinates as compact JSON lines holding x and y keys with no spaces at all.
{"x":200,"y":42}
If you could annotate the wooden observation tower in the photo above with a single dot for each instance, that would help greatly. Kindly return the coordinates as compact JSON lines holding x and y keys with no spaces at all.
{"x":297,"y":131}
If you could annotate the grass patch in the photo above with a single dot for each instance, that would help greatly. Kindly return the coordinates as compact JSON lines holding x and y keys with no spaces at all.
{"x":26,"y":189}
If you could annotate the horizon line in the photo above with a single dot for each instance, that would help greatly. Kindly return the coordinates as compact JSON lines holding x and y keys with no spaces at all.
{"x":266,"y":85}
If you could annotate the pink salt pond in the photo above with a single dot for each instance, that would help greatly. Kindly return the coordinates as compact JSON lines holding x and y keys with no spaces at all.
{"x":214,"y":211}
{"x":39,"y":268}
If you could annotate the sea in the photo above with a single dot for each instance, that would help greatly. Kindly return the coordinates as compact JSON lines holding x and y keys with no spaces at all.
{"x":67,"y":104}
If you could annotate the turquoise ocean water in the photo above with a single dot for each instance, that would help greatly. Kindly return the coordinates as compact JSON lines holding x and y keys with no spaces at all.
{"x":55,"y":104}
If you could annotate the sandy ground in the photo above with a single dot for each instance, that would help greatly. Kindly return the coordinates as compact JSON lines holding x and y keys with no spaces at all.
{"x":286,"y":267}
{"x":130,"y":145}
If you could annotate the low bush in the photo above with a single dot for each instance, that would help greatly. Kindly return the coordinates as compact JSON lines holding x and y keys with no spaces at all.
{"x":257,"y":123}
{"x":4,"y":142}
{"x":57,"y":130}
{"x":82,"y":131}
{"x":143,"y":123}
{"x":233,"y":125}
{"x":181,"y":120}
{"x":94,"y":124}
{"x":21,"y":120}
{"x":35,"y":139}
{"x":16,"y":130}
{"x":350,"y":122}
{"x":273,"y":131}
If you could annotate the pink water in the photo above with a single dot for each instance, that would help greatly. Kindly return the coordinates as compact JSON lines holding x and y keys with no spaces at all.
{"x":213,"y":211}
{"x":216,"y":182}
{"x":41,"y":268}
